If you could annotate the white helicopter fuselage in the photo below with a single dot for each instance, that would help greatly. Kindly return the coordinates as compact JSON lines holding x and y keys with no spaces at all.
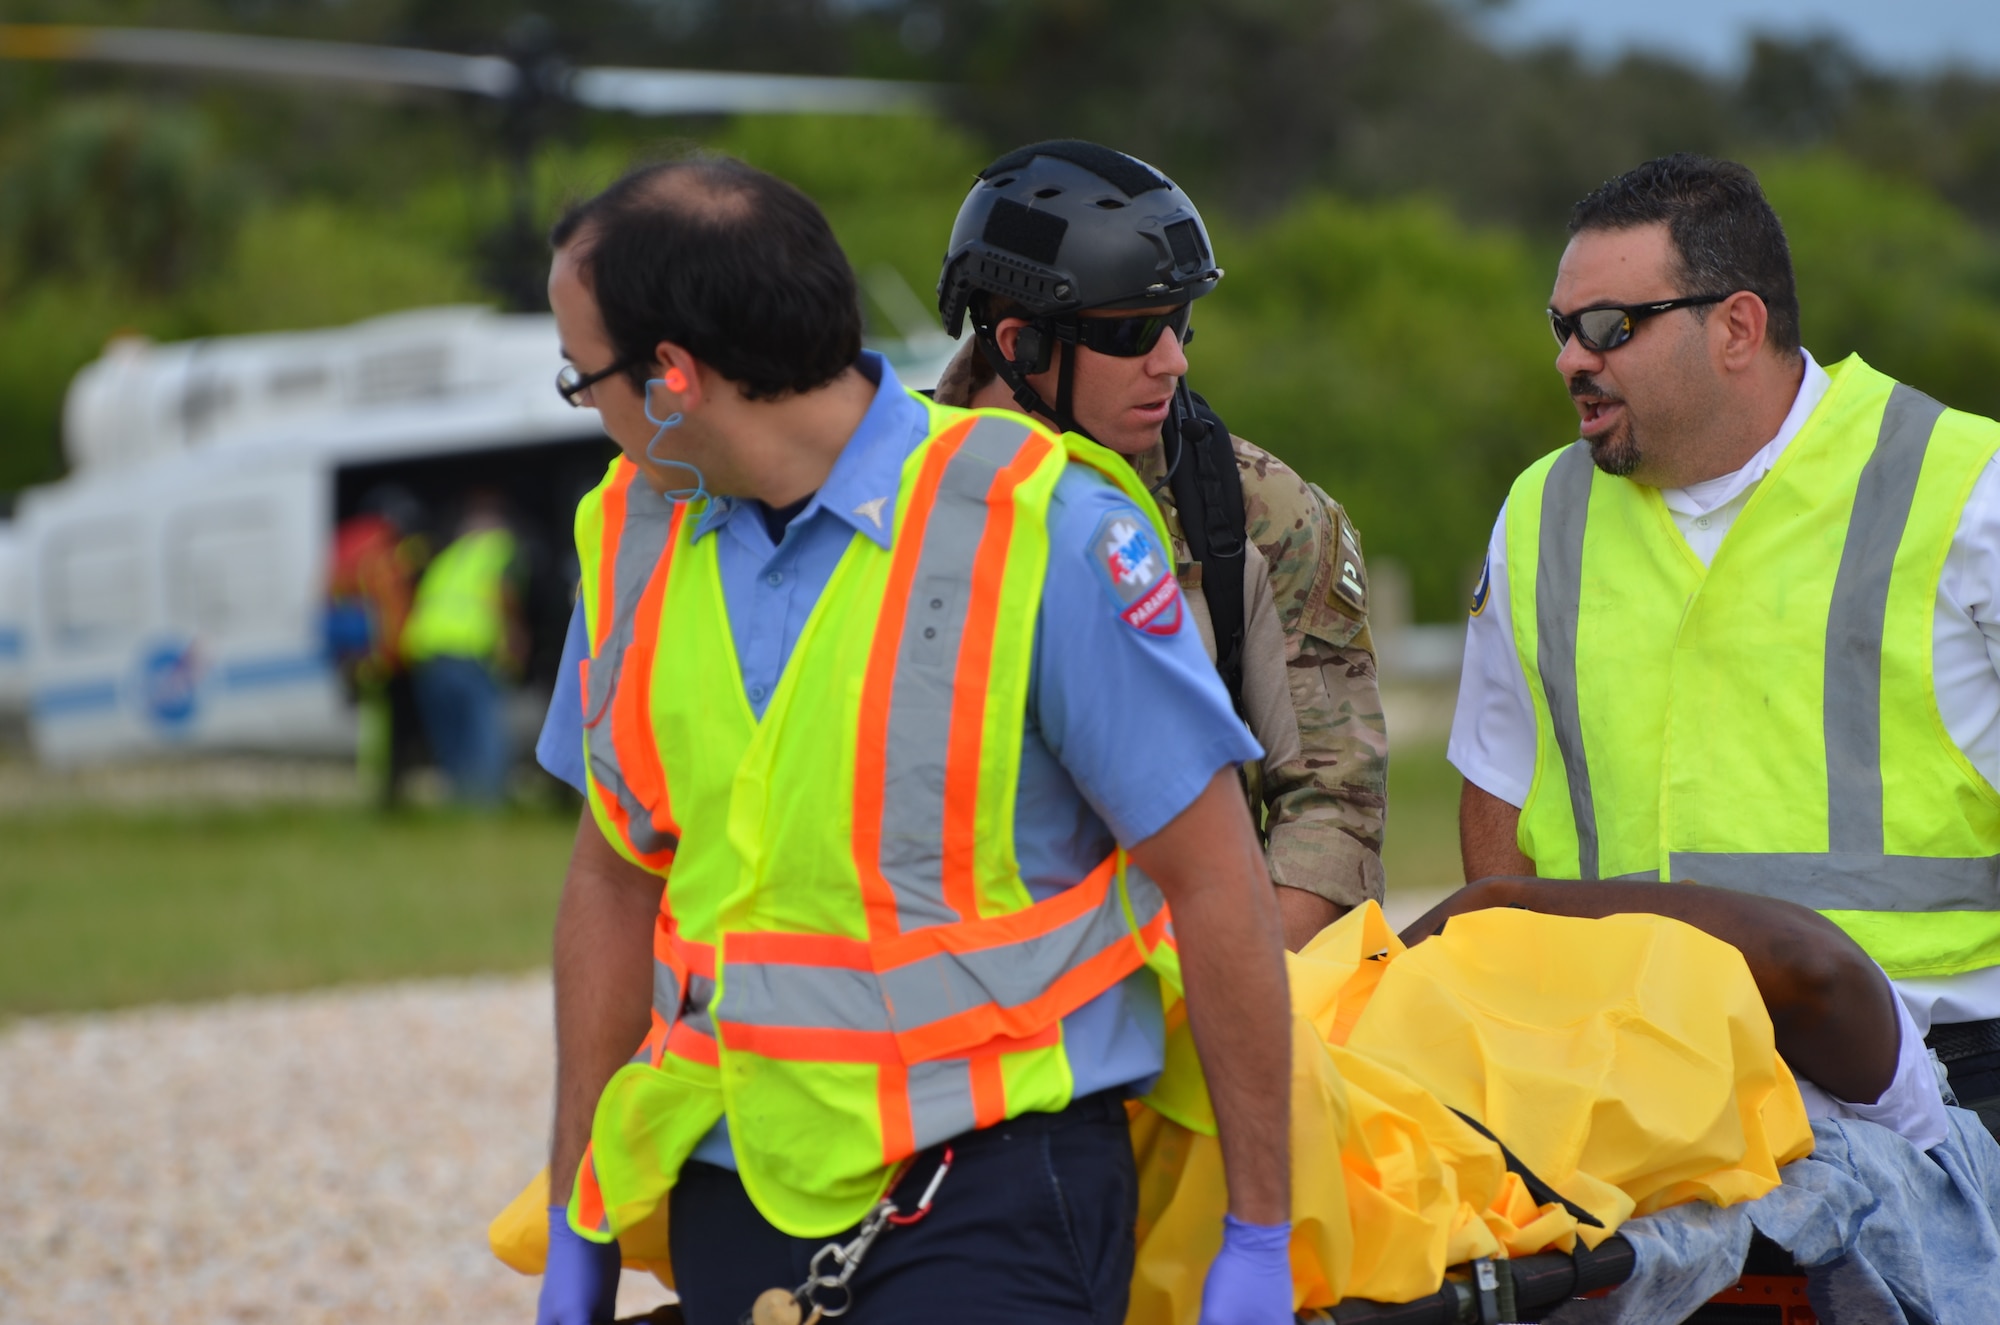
{"x":170,"y":595}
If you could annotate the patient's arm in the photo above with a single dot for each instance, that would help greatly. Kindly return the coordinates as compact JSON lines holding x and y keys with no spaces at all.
{"x":1831,"y":1007}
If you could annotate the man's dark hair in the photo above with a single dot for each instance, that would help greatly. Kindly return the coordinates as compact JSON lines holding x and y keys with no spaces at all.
{"x":1726,"y":237}
{"x":733,"y":264}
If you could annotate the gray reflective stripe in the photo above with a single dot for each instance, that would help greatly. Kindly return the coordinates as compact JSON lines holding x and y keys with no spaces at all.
{"x":1853,"y":697}
{"x":647,"y":839}
{"x":831,"y":998}
{"x":1147,"y":899}
{"x":666,"y":993}
{"x":910,"y":997}
{"x":940,"y":1101}
{"x":694,"y":1008}
{"x":1008,"y":977}
{"x":641,"y":542}
{"x":1851,"y":880}
{"x":1558,"y":596}
{"x":913,"y":794}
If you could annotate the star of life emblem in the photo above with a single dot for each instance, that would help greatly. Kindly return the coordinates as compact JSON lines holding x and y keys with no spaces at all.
{"x":1137,"y":572}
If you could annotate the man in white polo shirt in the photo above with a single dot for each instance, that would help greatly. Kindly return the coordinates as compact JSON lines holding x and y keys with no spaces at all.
{"x":1744,"y":631}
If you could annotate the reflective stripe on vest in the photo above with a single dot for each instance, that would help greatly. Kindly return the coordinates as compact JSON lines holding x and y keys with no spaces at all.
{"x":937,"y":991}
{"x":885,"y":980}
{"x":1863,"y":878}
{"x":633,"y":552}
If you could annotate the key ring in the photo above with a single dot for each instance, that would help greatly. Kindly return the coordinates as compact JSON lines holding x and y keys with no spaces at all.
{"x":788,"y":1308}
{"x":849,"y":1260}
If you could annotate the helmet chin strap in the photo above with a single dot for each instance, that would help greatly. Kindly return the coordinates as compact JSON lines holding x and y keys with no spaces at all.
{"x":1025,"y":395}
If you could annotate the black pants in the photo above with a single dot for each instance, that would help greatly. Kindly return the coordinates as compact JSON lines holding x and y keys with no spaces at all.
{"x":1034,"y":1222}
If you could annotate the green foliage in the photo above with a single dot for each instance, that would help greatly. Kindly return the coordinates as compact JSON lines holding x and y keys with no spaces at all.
{"x":314,"y":263}
{"x":311,"y":263}
{"x":47,"y":332}
{"x":115,"y":186}
{"x":1889,"y":270}
{"x":1397,"y":358}
{"x":1388,"y":194}
{"x":890,"y":187}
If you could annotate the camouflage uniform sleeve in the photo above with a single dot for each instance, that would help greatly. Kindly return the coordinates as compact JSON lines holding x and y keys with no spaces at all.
{"x":1325,"y":809}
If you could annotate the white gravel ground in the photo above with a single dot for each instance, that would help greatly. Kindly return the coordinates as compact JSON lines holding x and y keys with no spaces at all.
{"x":330,"y":1157}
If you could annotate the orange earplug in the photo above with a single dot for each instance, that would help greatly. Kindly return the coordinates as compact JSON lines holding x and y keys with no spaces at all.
{"x":676,"y":380}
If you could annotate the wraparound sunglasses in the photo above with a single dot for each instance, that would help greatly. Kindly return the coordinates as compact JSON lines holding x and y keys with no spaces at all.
{"x":1131,"y":337}
{"x":1603,"y":327}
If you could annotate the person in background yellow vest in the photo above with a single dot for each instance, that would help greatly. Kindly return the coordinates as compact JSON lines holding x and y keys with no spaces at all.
{"x":463,"y":640}
{"x":897,"y":746}
{"x":1742,"y":632}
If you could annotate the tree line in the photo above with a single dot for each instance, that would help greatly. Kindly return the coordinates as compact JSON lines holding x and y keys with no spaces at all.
{"x":1388,"y":195}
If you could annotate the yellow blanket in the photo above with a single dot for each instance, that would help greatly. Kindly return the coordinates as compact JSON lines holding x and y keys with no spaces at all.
{"x":1628,"y":1062}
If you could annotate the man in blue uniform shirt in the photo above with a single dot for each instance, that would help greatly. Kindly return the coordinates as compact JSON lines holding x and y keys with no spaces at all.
{"x":1130,"y":739}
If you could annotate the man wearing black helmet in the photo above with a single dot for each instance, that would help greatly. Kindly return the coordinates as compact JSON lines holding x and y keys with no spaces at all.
{"x":1072,"y":262}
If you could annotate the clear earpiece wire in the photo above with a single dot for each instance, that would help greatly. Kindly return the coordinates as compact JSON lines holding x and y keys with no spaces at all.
{"x":699,"y":491}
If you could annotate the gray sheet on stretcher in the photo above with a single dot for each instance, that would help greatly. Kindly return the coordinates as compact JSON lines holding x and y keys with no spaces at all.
{"x":1886,"y":1233}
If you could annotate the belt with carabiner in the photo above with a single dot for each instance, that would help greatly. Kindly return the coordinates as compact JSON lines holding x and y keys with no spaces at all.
{"x":827,"y":1292}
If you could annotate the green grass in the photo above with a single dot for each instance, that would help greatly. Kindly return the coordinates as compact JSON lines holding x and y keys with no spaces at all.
{"x":108,"y":909}
{"x":1420,"y":854}
{"x":104,"y":910}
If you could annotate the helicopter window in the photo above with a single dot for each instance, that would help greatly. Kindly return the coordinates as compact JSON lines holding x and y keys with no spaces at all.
{"x":298,"y":380}
{"x":94,"y":586}
{"x":409,"y":373}
{"x":223,"y":566}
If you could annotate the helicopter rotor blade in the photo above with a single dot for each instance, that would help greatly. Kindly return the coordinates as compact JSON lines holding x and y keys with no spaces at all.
{"x":273,"y":57}
{"x":708,"y":92}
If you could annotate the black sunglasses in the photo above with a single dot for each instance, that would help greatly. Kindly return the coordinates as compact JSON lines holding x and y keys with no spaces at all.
{"x":571,"y":382}
{"x":1603,"y":327}
{"x":1130,"y":337}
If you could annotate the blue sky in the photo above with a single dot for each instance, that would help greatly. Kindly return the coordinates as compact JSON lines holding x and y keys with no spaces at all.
{"x":1899,"y":34}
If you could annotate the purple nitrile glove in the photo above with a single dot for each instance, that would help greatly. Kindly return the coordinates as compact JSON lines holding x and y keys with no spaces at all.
{"x":1250,"y":1280}
{"x":580,"y":1285}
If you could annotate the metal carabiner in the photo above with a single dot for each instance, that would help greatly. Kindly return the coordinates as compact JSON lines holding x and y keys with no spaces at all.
{"x":774,"y":1307}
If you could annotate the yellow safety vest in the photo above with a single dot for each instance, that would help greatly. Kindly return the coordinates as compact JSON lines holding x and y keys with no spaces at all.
{"x":847,"y":963}
{"x":458,"y":610}
{"x":1768,"y":723}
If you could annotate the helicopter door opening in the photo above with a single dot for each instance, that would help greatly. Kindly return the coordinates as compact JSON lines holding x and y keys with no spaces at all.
{"x":540,"y":484}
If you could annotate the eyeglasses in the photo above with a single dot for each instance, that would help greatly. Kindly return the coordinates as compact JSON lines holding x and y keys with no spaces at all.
{"x":1131,"y":337}
{"x":1604,"y":327}
{"x":571,"y":383}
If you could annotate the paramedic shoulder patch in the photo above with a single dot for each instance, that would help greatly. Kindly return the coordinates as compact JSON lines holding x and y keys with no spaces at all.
{"x":1133,"y":567}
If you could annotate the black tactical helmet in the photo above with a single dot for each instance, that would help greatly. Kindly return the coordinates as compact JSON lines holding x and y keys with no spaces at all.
{"x":1059,"y":227}
{"x":1062,"y":226}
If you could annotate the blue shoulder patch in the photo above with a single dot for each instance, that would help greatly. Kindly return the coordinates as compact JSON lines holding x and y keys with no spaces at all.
{"x":1484,"y":587}
{"x":1136,"y":572}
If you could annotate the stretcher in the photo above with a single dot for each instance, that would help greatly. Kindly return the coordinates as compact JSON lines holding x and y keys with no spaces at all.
{"x":1489,"y":1292}
{"x":1771,"y":1291}
{"x":1628,"y":1063}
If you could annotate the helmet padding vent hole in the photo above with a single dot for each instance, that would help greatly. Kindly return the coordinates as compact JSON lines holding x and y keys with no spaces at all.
{"x":1110,"y":204}
{"x":1050,"y":192}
